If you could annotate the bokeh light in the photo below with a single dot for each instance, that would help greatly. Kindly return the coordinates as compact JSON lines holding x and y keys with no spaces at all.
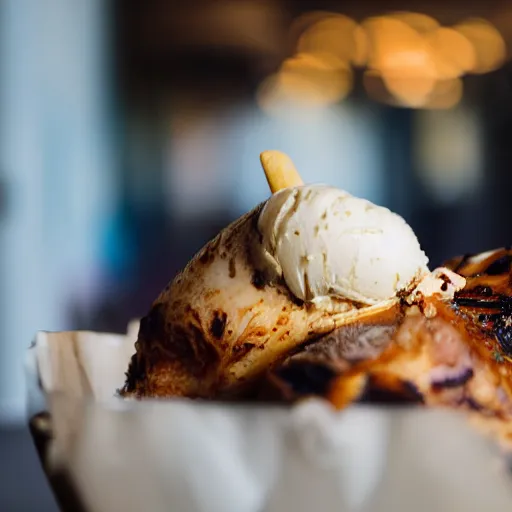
{"x":402,"y":57}
{"x":362,"y":47}
{"x":445,"y":94}
{"x":394,"y":46}
{"x":308,"y":80}
{"x":421,"y":23}
{"x":333,"y":34}
{"x":452,"y":53}
{"x":489,"y":46}
{"x":303,"y":22}
{"x":411,"y":60}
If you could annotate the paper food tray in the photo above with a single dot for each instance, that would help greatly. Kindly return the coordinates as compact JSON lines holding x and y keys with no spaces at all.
{"x":104,"y":454}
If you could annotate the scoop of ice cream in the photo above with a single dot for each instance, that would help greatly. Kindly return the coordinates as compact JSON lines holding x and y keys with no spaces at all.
{"x":326,"y":242}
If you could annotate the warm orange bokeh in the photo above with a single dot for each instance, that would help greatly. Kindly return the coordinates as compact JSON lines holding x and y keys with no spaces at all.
{"x":452,"y":53}
{"x":411,"y":60}
{"x":307,"y":79}
{"x":490,"y":48}
{"x":334,"y":34}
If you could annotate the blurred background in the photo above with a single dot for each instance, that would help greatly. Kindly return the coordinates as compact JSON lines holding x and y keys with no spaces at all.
{"x":130,"y":133}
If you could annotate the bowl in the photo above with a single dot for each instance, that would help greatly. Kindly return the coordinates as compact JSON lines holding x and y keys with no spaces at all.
{"x":102,"y":453}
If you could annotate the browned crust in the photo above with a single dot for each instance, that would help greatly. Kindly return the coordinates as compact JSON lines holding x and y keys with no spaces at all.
{"x":459,"y":358}
{"x":468,"y":341}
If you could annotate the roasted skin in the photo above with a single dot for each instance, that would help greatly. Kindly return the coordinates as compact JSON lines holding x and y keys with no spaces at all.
{"x":230,"y":327}
{"x":219,"y":326}
{"x":444,"y":353}
{"x":304,"y":263}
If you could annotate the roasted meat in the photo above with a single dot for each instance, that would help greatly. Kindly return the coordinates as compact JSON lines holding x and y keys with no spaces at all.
{"x":318,"y":293}
{"x":458,"y":355}
{"x":309,"y":260}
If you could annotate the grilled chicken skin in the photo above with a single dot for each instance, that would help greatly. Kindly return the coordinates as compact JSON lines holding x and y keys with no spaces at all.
{"x":318,"y":293}
{"x":452,"y":353}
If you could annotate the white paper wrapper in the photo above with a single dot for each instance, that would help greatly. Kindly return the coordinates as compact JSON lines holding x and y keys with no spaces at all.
{"x":127,"y":456}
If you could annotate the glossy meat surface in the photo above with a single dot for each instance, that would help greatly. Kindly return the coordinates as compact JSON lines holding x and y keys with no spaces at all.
{"x":457,"y":355}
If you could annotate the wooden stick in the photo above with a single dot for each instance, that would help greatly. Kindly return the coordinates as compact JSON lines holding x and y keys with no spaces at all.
{"x":279,"y":170}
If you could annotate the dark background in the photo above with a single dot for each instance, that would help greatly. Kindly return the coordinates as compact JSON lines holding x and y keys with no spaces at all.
{"x":131,"y":132}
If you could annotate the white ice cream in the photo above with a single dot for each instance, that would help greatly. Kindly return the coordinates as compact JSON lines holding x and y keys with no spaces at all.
{"x":326,"y":243}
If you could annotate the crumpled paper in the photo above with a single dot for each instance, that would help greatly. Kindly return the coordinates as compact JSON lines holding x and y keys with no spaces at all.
{"x":124,"y":455}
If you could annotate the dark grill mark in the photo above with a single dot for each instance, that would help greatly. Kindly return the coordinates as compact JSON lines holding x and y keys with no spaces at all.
{"x":239,"y":351}
{"x":500,"y":325}
{"x":152,"y":326}
{"x":136,"y":372}
{"x":209,"y":251}
{"x":206,"y":257}
{"x":489,"y":317}
{"x":185,"y":344}
{"x":298,"y":302}
{"x":504,"y":336}
{"x":485,"y":291}
{"x":412,"y":390}
{"x":499,"y":266}
{"x":501,"y":302}
{"x":307,"y":378}
{"x":205,"y":354}
{"x":218,"y":324}
{"x":453,"y":382}
{"x":473,"y":404}
{"x":408,"y":394}
{"x":180,"y":346}
{"x":462,"y":262}
{"x":254,"y":221}
{"x":232,"y":268}
{"x":258,"y":280}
